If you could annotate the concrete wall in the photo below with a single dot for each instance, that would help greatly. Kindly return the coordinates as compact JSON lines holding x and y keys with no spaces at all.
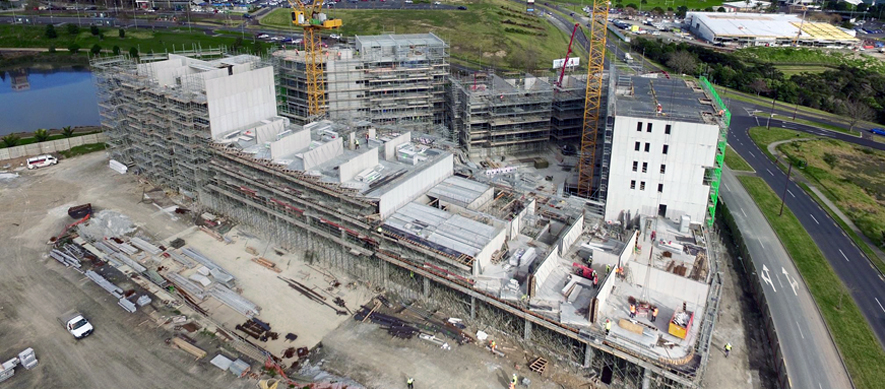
{"x":323,"y":153}
{"x":390,"y":146}
{"x":669,"y":284}
{"x":547,"y":266}
{"x":52,"y":146}
{"x":240,"y":100}
{"x":408,"y":190}
{"x":691,"y":148}
{"x":628,"y":251}
{"x":485,"y":256}
{"x":605,"y":290}
{"x":290,"y":144}
{"x":571,"y":235}
{"x":358,"y":164}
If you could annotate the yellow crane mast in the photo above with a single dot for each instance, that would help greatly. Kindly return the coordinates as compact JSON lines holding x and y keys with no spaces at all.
{"x":311,"y":18}
{"x":593,"y":97}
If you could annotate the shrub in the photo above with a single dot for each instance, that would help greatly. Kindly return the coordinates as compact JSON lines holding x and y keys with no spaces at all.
{"x":122,"y":33}
{"x":67,"y":132}
{"x":95,"y":50}
{"x":73,"y":29}
{"x":10,"y":140}
{"x":94,"y":30}
{"x":74,"y":48}
{"x":133,"y":52}
{"x":50,"y":32}
{"x":116,"y":50}
{"x":42,"y":135}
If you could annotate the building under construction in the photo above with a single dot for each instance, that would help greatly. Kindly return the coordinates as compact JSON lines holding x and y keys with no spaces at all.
{"x":391,"y":212}
{"x":395,"y":80}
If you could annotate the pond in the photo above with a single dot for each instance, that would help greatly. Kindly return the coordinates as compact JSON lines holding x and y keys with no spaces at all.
{"x":33,"y":98}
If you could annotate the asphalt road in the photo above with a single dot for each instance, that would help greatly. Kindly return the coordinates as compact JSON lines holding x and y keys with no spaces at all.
{"x":812,"y":360}
{"x":866,"y":283}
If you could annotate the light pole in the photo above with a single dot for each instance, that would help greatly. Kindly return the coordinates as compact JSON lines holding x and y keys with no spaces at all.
{"x":768,"y":123}
{"x":77,"y":7}
{"x":786,"y":185}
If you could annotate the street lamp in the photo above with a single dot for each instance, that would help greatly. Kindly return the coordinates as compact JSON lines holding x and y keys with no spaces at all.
{"x":786,"y":185}
{"x":768,"y":123}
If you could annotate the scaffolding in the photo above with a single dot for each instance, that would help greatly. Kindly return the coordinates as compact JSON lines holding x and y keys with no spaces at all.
{"x":495,"y":116}
{"x":390,"y":80}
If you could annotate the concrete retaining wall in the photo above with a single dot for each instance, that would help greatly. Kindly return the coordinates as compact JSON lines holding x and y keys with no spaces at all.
{"x":51,"y":146}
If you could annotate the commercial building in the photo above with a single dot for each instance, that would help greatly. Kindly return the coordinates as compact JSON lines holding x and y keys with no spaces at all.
{"x":667,"y":151}
{"x":753,"y":29}
{"x":744,"y":6}
{"x":388,"y":80}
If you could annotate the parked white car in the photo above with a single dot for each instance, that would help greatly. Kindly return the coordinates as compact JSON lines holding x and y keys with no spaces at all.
{"x":41,"y":161}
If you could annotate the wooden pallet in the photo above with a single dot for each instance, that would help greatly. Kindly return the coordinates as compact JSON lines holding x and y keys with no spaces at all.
{"x":539,"y":365}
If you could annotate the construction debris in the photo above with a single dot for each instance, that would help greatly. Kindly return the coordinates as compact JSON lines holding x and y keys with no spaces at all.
{"x":311,"y":294}
{"x":266,"y":263}
{"x":187,"y":347}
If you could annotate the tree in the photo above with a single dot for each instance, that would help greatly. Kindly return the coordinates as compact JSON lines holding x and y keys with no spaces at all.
{"x":720,"y":9}
{"x":657,"y":10}
{"x":133,"y":52}
{"x":74,"y":48}
{"x":50,"y":32}
{"x":681,"y":10}
{"x":73,"y":29}
{"x":42,"y":135}
{"x":682,"y":62}
{"x":95,"y":50}
{"x":116,"y":50}
{"x":10,"y":140}
{"x":122,"y":33}
{"x":238,"y":44}
{"x":257,"y":47}
{"x":67,"y":132}
{"x":847,"y":24}
{"x":94,"y":30}
{"x":643,"y":2}
{"x":760,"y":86}
{"x":51,"y":48}
{"x":857,"y":111}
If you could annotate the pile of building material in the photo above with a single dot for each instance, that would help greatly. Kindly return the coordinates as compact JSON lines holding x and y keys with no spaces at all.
{"x":257,"y":329}
{"x":266,"y":263}
{"x":193,"y":290}
{"x":106,"y":223}
{"x":218,"y":272}
{"x":145,"y":246}
{"x":114,"y":290}
{"x":26,"y":358}
{"x":314,"y":296}
{"x":234,"y":301}
{"x":64,"y":258}
{"x":188,"y":347}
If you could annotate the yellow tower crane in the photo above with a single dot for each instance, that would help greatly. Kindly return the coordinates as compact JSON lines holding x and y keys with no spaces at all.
{"x":311,"y":18}
{"x":593,"y":97}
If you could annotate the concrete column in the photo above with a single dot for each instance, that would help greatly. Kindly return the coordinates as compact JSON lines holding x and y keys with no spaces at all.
{"x":646,"y":379}
{"x":527,"y":331}
{"x":472,"y":308}
{"x":588,"y":355}
{"x":426,"y":287}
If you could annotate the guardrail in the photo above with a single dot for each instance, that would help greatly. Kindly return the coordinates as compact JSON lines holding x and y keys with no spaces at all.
{"x":755,"y":284}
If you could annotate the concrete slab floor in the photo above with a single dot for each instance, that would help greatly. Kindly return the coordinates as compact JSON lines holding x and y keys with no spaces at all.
{"x":36,"y":289}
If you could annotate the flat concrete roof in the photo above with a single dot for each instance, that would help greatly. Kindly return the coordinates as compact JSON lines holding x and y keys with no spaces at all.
{"x":449,"y":233}
{"x":642,"y":96}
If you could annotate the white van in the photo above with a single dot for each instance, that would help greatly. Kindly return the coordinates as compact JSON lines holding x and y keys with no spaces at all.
{"x":41,"y":161}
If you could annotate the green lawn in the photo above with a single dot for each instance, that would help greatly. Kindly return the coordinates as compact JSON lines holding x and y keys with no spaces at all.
{"x":145,"y":41}
{"x":650,"y":4}
{"x":764,"y":137}
{"x":734,"y":161}
{"x":824,"y":126}
{"x":859,"y":347}
{"x":851,"y":176}
{"x":476,"y":36}
{"x":803,"y":56}
{"x":83,"y":149}
{"x":790,"y":70}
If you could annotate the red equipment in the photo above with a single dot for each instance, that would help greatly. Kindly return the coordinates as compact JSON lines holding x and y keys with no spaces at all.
{"x":567,"y":53}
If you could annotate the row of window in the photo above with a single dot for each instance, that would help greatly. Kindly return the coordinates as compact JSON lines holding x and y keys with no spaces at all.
{"x":645,"y":167}
{"x":667,"y":128}
{"x":638,"y":145}
{"x":642,"y":186}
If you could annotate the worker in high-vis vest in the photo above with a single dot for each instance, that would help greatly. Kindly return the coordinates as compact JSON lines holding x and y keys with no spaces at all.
{"x":608,"y":326}
{"x":632,"y":311}
{"x":727,"y":349}
{"x":410,"y":382}
{"x":654,"y":314}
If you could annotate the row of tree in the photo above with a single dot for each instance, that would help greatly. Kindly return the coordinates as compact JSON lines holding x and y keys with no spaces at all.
{"x":40,"y":135}
{"x":854,"y":92}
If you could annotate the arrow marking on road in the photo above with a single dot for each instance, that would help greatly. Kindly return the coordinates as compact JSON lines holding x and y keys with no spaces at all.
{"x":793,"y":283}
{"x":880,"y":304}
{"x":843,"y":255}
{"x":815,"y":220}
{"x":765,"y":277}
{"x":791,"y":193}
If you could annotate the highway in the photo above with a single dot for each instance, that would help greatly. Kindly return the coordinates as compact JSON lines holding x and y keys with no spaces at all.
{"x":811,"y":357}
{"x":866,"y":283}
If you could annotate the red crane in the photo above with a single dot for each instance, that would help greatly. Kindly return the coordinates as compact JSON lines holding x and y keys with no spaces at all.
{"x":567,"y":53}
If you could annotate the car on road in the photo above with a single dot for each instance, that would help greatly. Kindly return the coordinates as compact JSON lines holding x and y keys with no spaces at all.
{"x":462,"y":8}
{"x":436,"y":3}
{"x":878,"y":131}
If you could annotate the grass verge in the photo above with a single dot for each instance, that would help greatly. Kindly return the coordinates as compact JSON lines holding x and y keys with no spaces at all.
{"x":734,"y":161}
{"x":804,"y":56}
{"x":824,"y":126}
{"x":494,"y":33}
{"x":853,"y":336}
{"x":648,"y":5}
{"x":83,"y":149}
{"x":764,"y":137}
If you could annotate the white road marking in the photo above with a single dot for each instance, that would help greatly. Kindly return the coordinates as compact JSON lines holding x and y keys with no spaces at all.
{"x":742,"y":211}
{"x":813,"y":218}
{"x":769,"y":172}
{"x":793,"y":283}
{"x":761,"y":244}
{"x":800,"y":330}
{"x":843,"y":255}
{"x":791,"y":193}
{"x":751,"y":153}
{"x":779,"y":280}
{"x":726,"y":187}
{"x":765,"y":277}
{"x":880,"y":304}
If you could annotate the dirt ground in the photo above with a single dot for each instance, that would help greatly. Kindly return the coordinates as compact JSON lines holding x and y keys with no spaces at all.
{"x":739,"y":323}
{"x":123,"y":352}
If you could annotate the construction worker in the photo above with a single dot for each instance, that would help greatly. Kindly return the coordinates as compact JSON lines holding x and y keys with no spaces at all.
{"x":595,"y":282}
{"x":654,"y":314}
{"x":514,"y":380}
{"x":608,"y":326}
{"x":410,"y":382}
{"x":727,"y":349}
{"x":494,"y":346}
{"x":608,"y":269}
{"x":632,"y":311}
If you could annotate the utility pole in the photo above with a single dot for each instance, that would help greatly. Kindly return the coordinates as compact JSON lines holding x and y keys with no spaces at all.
{"x":768,"y":123}
{"x":786,"y":185}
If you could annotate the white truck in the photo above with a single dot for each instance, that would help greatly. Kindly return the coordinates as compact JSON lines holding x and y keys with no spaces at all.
{"x":41,"y":161}
{"x":76,"y":324}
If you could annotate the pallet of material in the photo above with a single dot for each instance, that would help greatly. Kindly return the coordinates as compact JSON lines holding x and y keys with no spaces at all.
{"x":188,"y":348}
{"x":539,"y":365}
{"x":268,"y":264}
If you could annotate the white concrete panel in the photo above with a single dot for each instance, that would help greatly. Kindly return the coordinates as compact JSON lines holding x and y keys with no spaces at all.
{"x":484,"y":258}
{"x":408,"y":190}
{"x":573,"y":233}
{"x":669,"y":284}
{"x":267,"y":132}
{"x":239,"y":100}
{"x":391,"y":145}
{"x":325,"y":152}
{"x":605,"y":290}
{"x":546,"y":268}
{"x":358,"y":164}
{"x":691,"y":149}
{"x":628,"y":250}
{"x":290,"y":144}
